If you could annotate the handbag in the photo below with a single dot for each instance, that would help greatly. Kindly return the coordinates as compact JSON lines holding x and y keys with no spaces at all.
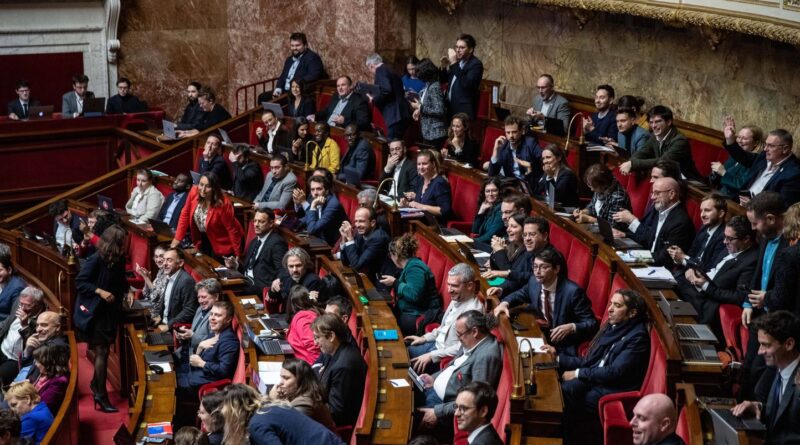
{"x":85,"y":309}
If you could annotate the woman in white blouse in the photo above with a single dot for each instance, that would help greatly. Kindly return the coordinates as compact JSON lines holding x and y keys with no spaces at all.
{"x":146,"y":200}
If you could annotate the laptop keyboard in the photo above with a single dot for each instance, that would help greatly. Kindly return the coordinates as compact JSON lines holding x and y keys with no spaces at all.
{"x":685,"y":331}
{"x":271,"y":347}
{"x":159,"y":338}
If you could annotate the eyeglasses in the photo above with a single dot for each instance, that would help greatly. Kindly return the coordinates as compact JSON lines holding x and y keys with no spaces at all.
{"x":775,"y":145}
{"x":658,"y":192}
{"x":463,"y":408}
{"x":461,"y":334}
{"x":732,"y":238}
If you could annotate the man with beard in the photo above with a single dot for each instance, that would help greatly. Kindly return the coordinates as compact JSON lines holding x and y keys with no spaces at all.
{"x":171,"y":209}
{"x":303,"y":64}
{"x":322,"y":214}
{"x":359,"y":157}
{"x":192,"y":114}
{"x":263,"y":256}
{"x":297,"y":270}
{"x":516,"y":155}
{"x":601,"y":126}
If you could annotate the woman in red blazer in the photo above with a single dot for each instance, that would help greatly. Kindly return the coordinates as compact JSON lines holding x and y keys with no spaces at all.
{"x":209,"y":215}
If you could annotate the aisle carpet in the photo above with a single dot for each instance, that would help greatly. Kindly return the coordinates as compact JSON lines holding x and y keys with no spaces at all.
{"x":96,"y":427}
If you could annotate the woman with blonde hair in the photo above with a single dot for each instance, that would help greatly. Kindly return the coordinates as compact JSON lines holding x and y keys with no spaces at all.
{"x":731,"y":176}
{"x":145,"y":200}
{"x":36,"y":418}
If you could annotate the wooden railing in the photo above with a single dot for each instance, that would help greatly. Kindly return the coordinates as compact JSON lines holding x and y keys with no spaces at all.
{"x":247,"y":95}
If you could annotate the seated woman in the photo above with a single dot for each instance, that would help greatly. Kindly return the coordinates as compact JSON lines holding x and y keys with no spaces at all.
{"x":327,"y":152}
{"x":208,"y":215}
{"x":300,"y":137}
{"x":300,"y":386}
{"x":297,"y":270}
{"x":415,"y":288}
{"x":145,"y":200}
{"x":460,"y":146}
{"x":488,"y":221}
{"x":612,"y":364}
{"x":609,"y":197}
{"x":343,"y":368}
{"x":301,"y":312}
{"x":300,"y":104}
{"x":36,"y":418}
{"x":556,"y":173}
{"x":732,"y":176}
{"x":190,"y":435}
{"x":210,"y":416}
{"x":510,"y":259}
{"x":52,"y":361}
{"x":251,"y":418}
{"x":431,"y":191}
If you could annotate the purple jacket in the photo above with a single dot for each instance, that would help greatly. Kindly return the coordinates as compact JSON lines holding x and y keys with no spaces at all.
{"x":52,"y":393}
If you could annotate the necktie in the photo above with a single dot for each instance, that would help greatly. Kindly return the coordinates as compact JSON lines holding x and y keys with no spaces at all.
{"x":269,"y":189}
{"x":775,"y":399}
{"x":24,"y":110}
{"x":548,"y":311}
{"x":252,"y":258}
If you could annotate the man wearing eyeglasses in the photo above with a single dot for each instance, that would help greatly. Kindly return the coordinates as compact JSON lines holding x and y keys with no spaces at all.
{"x":17,"y":328}
{"x":775,"y":169}
{"x":475,"y":405}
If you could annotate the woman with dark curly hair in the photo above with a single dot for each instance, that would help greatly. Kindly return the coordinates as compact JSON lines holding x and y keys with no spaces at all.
{"x":300,"y":386}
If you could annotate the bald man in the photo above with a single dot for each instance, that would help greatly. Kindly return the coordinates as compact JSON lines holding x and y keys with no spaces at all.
{"x":666,"y":225}
{"x":654,"y":421}
{"x":48,"y":331}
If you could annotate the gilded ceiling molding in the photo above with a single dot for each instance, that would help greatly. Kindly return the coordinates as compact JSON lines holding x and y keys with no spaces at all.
{"x":708,"y":20}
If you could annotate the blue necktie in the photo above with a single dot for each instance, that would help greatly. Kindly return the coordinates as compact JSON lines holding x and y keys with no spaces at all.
{"x":775,"y":394}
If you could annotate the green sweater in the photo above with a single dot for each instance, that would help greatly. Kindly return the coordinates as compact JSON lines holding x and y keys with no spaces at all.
{"x":416,"y":288}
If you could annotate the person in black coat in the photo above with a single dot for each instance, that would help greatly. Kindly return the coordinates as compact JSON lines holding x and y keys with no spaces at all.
{"x":297,"y":270}
{"x":430,"y":191}
{"x":173,"y":205}
{"x":464,"y":73}
{"x":180,"y":295}
{"x":366,"y":248}
{"x":212,"y":161}
{"x":66,"y":225}
{"x":399,"y":167}
{"x":124,"y":102}
{"x":300,"y":104}
{"x":192,"y":114}
{"x":20,"y":108}
{"x":248,"y":179}
{"x":263,"y":257}
{"x":359,"y":157}
{"x":556,"y":173}
{"x":213,"y":113}
{"x":346,"y":108}
{"x":101,"y":286}
{"x":460,"y":145}
{"x":391,"y":100}
{"x":340,"y":367}
{"x":708,"y":247}
{"x":516,"y":154}
{"x":303,"y":64}
{"x":511,"y":257}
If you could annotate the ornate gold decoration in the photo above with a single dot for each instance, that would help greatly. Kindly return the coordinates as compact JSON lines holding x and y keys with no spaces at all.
{"x":770,"y":28}
{"x":581,"y":17}
{"x":713,"y":36}
{"x":451,"y":5}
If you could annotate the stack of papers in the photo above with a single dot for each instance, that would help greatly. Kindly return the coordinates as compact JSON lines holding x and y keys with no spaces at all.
{"x":536,"y":342}
{"x":655,"y":277}
{"x":601,"y":149}
{"x":636,"y":256}
{"x":457,"y":238}
{"x":269,"y":373}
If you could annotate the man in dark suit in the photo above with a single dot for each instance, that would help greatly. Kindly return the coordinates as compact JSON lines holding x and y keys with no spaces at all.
{"x":359,"y":157}
{"x":464,"y":74}
{"x":278,"y":186}
{"x":391,"y":101}
{"x":775,"y":169}
{"x":667,"y":224}
{"x":297,"y":269}
{"x":475,"y":405}
{"x":72,"y":102}
{"x":367,"y":249}
{"x":303,"y":64}
{"x":272,"y":137}
{"x":399,"y":168}
{"x":192,"y":113}
{"x":654,"y":421}
{"x":322,"y":214}
{"x":559,"y":300}
{"x":516,"y":155}
{"x":777,"y":395}
{"x":19,"y":108}
{"x":346,"y":108}
{"x":208,"y":293}
{"x":724,"y":282}
{"x":171,"y":209}
{"x":180,"y":297}
{"x":708,"y":247}
{"x":212,"y":161}
{"x":124,"y":102}
{"x":263,"y":256}
{"x":248,"y":179}
{"x":213,"y":113}
{"x":48,"y":332}
{"x":66,"y":225}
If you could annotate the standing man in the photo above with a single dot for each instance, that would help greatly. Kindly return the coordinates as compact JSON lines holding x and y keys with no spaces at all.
{"x":391,"y":100}
{"x":464,"y":74}
{"x":124,"y":102}
{"x":303,"y":64}
{"x":278,"y":186}
{"x":548,"y":104}
{"x":72,"y":102}
{"x":263,"y":256}
{"x":347,"y":107}
{"x":20,"y":108}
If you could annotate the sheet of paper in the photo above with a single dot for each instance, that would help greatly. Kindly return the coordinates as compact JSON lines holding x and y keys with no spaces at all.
{"x":459,"y":238}
{"x":165,"y":366}
{"x":653,"y":273}
{"x":399,"y":383}
{"x":536,"y":342}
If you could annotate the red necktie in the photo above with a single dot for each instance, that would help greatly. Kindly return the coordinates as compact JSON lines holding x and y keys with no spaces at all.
{"x":548,"y":311}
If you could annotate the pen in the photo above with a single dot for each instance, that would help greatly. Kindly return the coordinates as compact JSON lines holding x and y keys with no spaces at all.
{"x":651,"y":272}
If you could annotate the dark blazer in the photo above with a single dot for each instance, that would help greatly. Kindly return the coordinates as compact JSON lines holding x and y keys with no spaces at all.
{"x":755,"y":283}
{"x":408,"y":172}
{"x":282,"y":139}
{"x":221,"y":360}
{"x":183,"y":301}
{"x":74,"y":225}
{"x":267,"y":264}
{"x":520,"y":267}
{"x":678,"y":229}
{"x":483,"y":364}
{"x":219,"y":167}
{"x":247,"y":180}
{"x":15,"y":106}
{"x":559,"y":109}
{"x":10,"y":295}
{"x":529,"y":151}
{"x":786,"y":292}
{"x":342,"y":375}
{"x":192,"y":116}
{"x":782,"y":426}
{"x":309,"y":281}
{"x":213,"y":117}
{"x":464,"y":87}
{"x":356,"y":111}
{"x":672,"y":439}
{"x":785,"y":181}
{"x":286,"y":425}
{"x":566,"y":187}
{"x":675,"y":147}
{"x":714,"y":252}
{"x":27,"y":357}
{"x":367,"y":254}
{"x":69,"y":103}
{"x":603,"y":127}
{"x":361,"y":159}
{"x":307,"y":106}
{"x":487,"y":436}
{"x":470,"y":152}
{"x":176,"y":214}
{"x":128,"y":104}
{"x":438,"y":194}
{"x":392,"y":98}
{"x":325,"y":223}
{"x":309,"y":69}
{"x":570,"y":306}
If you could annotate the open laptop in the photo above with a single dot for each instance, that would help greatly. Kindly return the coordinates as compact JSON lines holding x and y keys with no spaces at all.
{"x":195,"y":177}
{"x":699,"y":354}
{"x":727,"y":426}
{"x":352,"y":177}
{"x":94,"y":107}
{"x":372,"y":294}
{"x":169,"y":129}
{"x":40,"y":112}
{"x":469,"y":256}
{"x":161,"y":228}
{"x":268,"y":346}
{"x":226,"y":140}
{"x":276,"y":108}
{"x":675,"y":308}
{"x":695,"y":332}
{"x":554,"y":126}
{"x":604,"y":227}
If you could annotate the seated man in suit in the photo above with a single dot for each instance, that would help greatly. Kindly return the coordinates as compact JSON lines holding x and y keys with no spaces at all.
{"x":72,"y":102}
{"x":48,"y":332}
{"x":366,"y":248}
{"x":322,"y":214}
{"x":173,"y":205}
{"x":66,"y":226}
{"x":775,"y":169}
{"x":475,"y":405}
{"x":727,"y":281}
{"x":516,"y":155}
{"x":11,"y":283}
{"x":124,"y":102}
{"x":297,"y":270}
{"x":15,"y":330}
{"x":303,"y":64}
{"x":359,"y":157}
{"x":548,"y":104}
{"x":667,"y":143}
{"x":263,"y":256}
{"x":463,"y":73}
{"x":212,"y":161}
{"x":601,"y":127}
{"x":707,"y":248}
{"x":666,"y":225}
{"x":278,"y":186}
{"x":272,"y":137}
{"x":479,"y":359}
{"x":567,"y":312}
{"x":20,"y":107}
{"x":192,"y":113}
{"x":391,"y":101}
{"x":401,"y":169}
{"x":208,"y":293}
{"x":654,"y":421}
{"x":213,"y":113}
{"x":776,"y":400}
{"x":428,"y":350}
{"x":180,"y":297}
{"x":348,"y":107}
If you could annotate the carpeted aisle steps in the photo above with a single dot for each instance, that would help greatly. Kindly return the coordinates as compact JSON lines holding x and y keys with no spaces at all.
{"x":96,"y":427}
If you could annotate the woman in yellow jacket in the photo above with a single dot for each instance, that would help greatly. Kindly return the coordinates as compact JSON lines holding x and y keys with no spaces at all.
{"x":327,"y":153}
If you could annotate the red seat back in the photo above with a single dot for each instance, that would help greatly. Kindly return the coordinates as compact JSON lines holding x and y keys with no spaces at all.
{"x":579,"y":263}
{"x":600,"y":280}
{"x":484,"y":98}
{"x":323,"y":99}
{"x":489,"y":136}
{"x":703,"y":155}
{"x":377,"y":120}
{"x":465,"y":200}
{"x":342,"y":142}
{"x":736,"y":334}
{"x":639,"y":192}
{"x":350,"y":205}
{"x":560,"y":239}
{"x":682,"y":429}
{"x":693,"y":209}
{"x":423,"y":252}
{"x":655,"y":381}
{"x":240,"y":375}
{"x":362,"y":413}
{"x":139,"y":251}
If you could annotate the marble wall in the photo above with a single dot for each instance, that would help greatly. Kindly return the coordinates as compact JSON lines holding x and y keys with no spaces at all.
{"x":749,"y":77}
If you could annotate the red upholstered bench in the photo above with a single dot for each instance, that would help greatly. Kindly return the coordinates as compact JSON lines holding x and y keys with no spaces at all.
{"x":489,"y":136}
{"x":598,"y":292}
{"x":703,"y":154}
{"x":465,"y":202}
{"x":736,"y":334}
{"x":579,"y":263}
{"x":639,"y":192}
